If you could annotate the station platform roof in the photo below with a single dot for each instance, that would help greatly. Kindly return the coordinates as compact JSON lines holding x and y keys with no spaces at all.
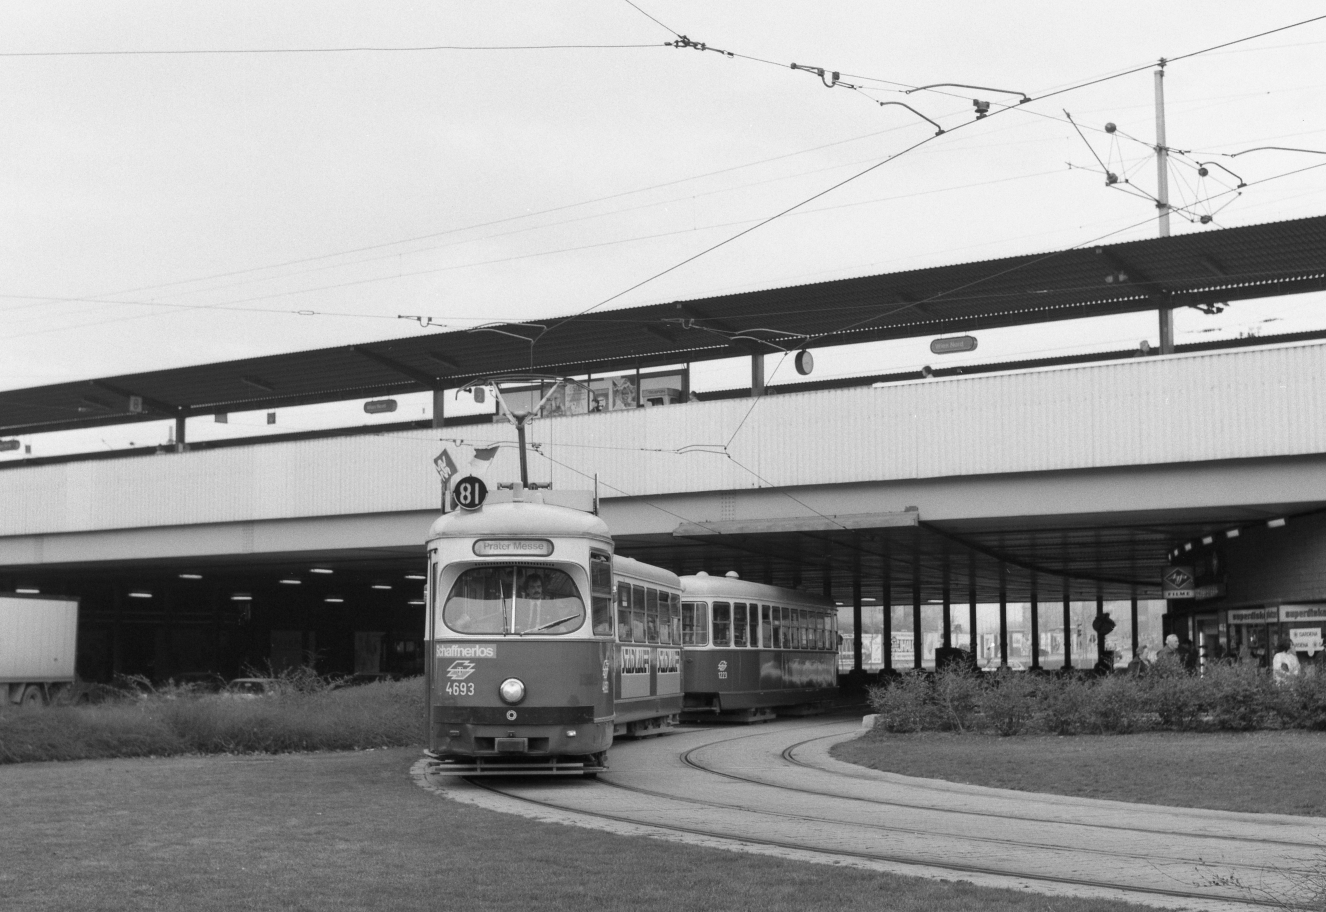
{"x":1199,"y":269}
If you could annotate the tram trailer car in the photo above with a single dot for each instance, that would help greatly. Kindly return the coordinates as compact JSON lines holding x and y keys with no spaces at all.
{"x":526,"y":670}
{"x":753,"y":651}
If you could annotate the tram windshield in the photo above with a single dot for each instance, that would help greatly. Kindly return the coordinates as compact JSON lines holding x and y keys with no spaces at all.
{"x":499,"y":599}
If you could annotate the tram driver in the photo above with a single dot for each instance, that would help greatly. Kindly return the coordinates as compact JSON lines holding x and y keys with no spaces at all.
{"x":541,"y":606}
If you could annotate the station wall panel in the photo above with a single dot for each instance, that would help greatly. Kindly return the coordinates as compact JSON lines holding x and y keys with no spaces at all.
{"x":1244,"y":404}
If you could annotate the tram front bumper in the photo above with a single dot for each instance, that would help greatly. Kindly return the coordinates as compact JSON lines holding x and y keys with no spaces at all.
{"x":475,"y":740}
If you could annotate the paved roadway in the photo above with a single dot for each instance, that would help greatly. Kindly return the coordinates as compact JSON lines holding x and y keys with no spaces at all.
{"x":774,"y":789}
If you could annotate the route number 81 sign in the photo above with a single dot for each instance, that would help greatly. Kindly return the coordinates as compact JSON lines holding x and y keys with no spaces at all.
{"x":470,"y":493}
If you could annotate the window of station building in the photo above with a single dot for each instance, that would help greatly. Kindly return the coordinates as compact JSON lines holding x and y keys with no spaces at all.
{"x":694,"y":624}
{"x":739,"y":624}
{"x":766,"y":626}
{"x":624,"y":613}
{"x":600,"y":588}
{"x":722,"y":624}
{"x":651,"y":615}
{"x":638,"y":613}
{"x":603,"y":394}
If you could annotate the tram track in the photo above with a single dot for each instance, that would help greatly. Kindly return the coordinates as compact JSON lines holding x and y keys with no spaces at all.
{"x":788,"y":757}
{"x":785,"y":821}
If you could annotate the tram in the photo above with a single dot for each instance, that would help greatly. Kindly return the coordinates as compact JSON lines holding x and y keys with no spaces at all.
{"x":530,"y":667}
{"x":753,"y":650}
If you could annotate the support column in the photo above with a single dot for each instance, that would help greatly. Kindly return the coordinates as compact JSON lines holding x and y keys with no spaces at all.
{"x":439,"y":407}
{"x":117,"y":630}
{"x":1133,"y":611}
{"x":181,"y":444}
{"x":886,"y":598}
{"x":971,"y":608}
{"x":757,"y":375}
{"x":1100,"y":638}
{"x":856,"y":612}
{"x":1068,"y":626}
{"x":1003,"y":615}
{"x":916,"y":605}
{"x":1035,"y":626}
{"x":947,"y":620}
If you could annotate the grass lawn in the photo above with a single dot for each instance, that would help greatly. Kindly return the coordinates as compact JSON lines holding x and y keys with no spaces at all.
{"x":1269,"y":772}
{"x":351,"y":831}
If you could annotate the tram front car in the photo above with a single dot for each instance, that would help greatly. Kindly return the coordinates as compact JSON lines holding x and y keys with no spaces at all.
{"x":520,"y":637}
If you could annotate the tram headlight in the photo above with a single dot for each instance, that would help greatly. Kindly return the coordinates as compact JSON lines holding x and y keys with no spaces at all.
{"x":512,"y":690}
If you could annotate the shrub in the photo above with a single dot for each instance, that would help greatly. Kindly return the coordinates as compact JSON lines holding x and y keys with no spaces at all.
{"x":1009,"y":702}
{"x":1113,"y":705}
{"x":383,"y":714}
{"x":957,"y":696}
{"x":905,"y":705}
{"x":1301,"y":703}
{"x":1063,"y":701}
{"x":1176,"y":697}
{"x":1241,"y":697}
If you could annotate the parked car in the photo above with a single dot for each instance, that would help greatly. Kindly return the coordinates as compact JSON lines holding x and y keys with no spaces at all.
{"x":250,"y":688}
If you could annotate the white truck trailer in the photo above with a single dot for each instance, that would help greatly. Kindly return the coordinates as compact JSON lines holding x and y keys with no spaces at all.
{"x":38,"y":642}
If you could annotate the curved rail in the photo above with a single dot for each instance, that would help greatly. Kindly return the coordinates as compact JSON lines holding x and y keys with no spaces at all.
{"x":691,"y":759}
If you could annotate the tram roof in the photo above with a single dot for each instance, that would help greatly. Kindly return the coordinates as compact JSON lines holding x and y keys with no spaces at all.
{"x":523,"y":519}
{"x":704,"y":585}
{"x":1202,"y":268}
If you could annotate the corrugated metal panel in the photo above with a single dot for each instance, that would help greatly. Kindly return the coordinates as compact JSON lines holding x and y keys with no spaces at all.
{"x":1199,"y":407}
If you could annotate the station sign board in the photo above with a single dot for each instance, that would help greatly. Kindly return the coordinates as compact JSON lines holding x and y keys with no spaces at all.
{"x":1254,"y":616}
{"x":1178,"y":583}
{"x":7,"y":445}
{"x":1294,"y":613}
{"x":379,"y":406}
{"x":951,"y":344}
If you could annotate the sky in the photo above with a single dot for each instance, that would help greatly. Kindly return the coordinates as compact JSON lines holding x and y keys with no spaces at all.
{"x":166,"y":209}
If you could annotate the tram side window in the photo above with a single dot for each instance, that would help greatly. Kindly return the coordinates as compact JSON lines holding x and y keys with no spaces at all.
{"x":624,"y":613}
{"x":755,"y":626}
{"x":819,"y":632}
{"x":722,"y":624}
{"x":600,"y":587}
{"x":739,"y":624}
{"x":776,"y":632}
{"x":694,"y":624}
{"x":638,"y":613}
{"x":651,"y":615}
{"x":674,"y":614}
{"x":766,"y":627}
{"x":798,"y":632}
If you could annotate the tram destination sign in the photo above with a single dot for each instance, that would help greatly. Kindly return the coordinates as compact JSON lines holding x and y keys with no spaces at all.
{"x":513,"y":547}
{"x":470,"y":493}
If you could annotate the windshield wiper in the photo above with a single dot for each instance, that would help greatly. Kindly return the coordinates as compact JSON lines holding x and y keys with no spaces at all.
{"x":569,"y":617}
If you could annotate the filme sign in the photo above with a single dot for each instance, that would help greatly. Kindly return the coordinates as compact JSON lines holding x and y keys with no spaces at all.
{"x":1178,"y":583}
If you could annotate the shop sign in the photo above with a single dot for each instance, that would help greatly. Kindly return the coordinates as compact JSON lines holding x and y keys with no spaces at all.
{"x":1214,"y":590}
{"x":1254,"y":616}
{"x":1303,"y":613}
{"x":1306,"y":639}
{"x":1178,"y":583}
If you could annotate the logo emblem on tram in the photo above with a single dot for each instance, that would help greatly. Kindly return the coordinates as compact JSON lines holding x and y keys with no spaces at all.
{"x":460,"y":670}
{"x":722,"y":669}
